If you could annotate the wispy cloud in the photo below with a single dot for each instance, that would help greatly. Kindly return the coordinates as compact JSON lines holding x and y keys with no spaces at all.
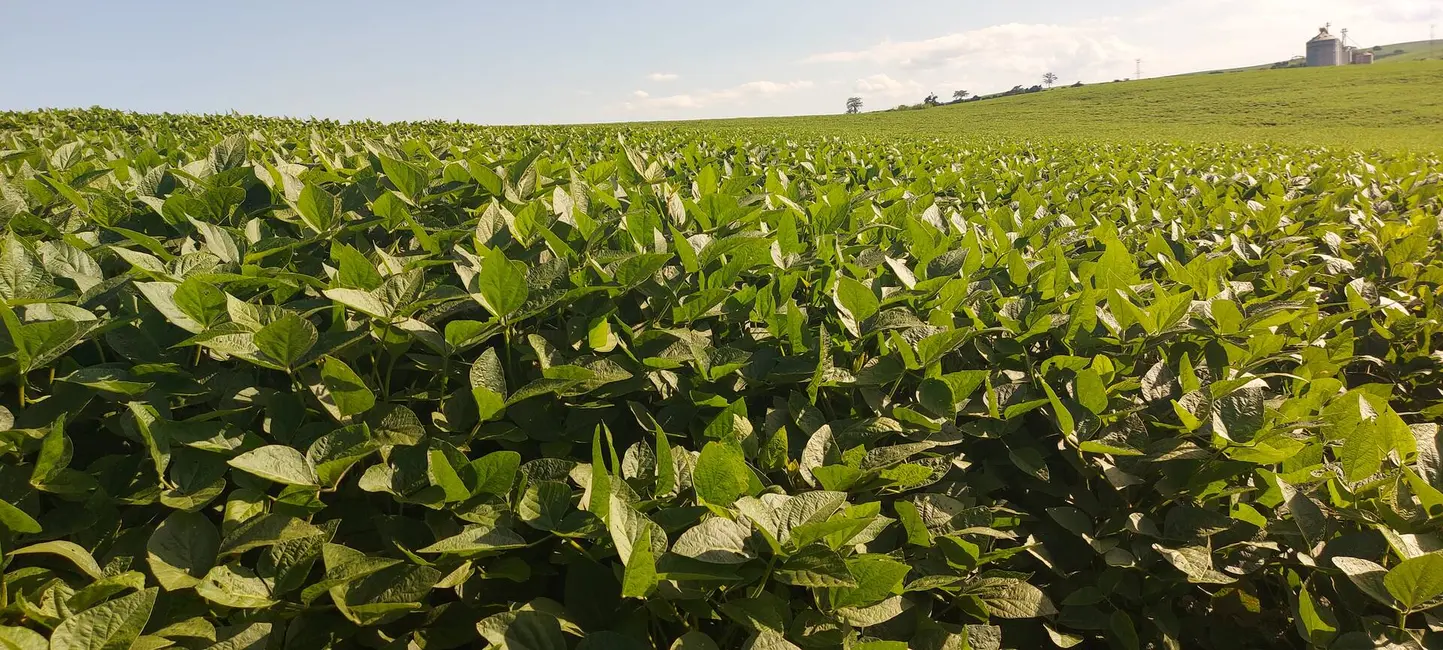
{"x":640,"y":94}
{"x":984,"y":59}
{"x":884,"y":86}
{"x":1012,"y":46}
{"x":736,"y":95}
{"x":663,"y":76}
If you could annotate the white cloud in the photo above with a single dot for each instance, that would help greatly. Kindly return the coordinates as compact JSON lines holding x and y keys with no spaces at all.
{"x":1169,"y":36}
{"x":1249,"y":32}
{"x":1015,"y":51}
{"x":663,"y":76}
{"x":987,"y":59}
{"x":884,"y":86}
{"x":642,"y":94}
{"x":736,"y":95}
{"x":999,"y":45}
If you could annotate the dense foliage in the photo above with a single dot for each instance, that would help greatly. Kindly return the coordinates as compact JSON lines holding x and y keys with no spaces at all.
{"x":274,"y":384}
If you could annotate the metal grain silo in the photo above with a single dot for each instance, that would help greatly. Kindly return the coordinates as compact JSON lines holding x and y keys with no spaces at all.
{"x":1325,"y":49}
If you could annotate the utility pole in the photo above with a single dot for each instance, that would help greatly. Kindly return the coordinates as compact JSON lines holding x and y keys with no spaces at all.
{"x":1138,"y":75}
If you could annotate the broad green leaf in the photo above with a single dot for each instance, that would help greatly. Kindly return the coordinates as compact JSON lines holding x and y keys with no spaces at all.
{"x":442,"y":474}
{"x":768,"y":639}
{"x":599,"y":494}
{"x":287,"y":339}
{"x":488,"y":384}
{"x":1091,"y":391}
{"x":16,"y":520}
{"x":1122,"y":631}
{"x":319,"y":209}
{"x":162,"y":295}
{"x":694,"y":640}
{"x":70,"y":551}
{"x":409,"y":178}
{"x":1367,"y":575}
{"x":856,"y":302}
{"x":477,"y":539}
{"x":1238,"y":416}
{"x":264,"y":530}
{"x":501,"y":284}
{"x":334,"y":453}
{"x":816,"y":566}
{"x":201,"y":302}
{"x":639,"y":578}
{"x":22,"y":638}
{"x":112,"y":625}
{"x":544,"y":504}
{"x":1416,"y":581}
{"x":1315,"y":620}
{"x":717,"y":540}
{"x":218,"y":241}
{"x":346,"y":388}
{"x":494,"y":473}
{"x":931,"y":349}
{"x":232,"y":585}
{"x":250,"y":637}
{"x":721,"y":475}
{"x":666,"y":479}
{"x":278,"y":463}
{"x":522,"y":630}
{"x":1011,"y":598}
{"x":1196,"y":562}
{"x":876,"y":577}
{"x":56,"y":451}
{"x":182,"y":549}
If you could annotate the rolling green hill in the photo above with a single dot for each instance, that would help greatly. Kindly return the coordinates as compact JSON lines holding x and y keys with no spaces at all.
{"x":1396,"y":106}
{"x":1415,"y":51}
{"x":1392,"y":53}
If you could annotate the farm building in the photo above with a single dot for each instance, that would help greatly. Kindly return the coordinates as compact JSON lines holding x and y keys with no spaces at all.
{"x":1325,"y":49}
{"x":1328,"y":49}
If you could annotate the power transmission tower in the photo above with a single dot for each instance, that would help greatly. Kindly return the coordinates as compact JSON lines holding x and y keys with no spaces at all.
{"x":1138,"y":75}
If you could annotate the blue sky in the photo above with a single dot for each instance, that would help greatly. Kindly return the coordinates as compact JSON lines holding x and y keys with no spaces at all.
{"x":544,"y":61}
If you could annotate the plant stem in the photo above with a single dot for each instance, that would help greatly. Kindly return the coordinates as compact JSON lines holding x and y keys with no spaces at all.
{"x":512,"y":374}
{"x":390,"y":359}
{"x":757,"y":590}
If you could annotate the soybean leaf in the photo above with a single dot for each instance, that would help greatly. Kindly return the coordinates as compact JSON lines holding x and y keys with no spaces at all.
{"x":278,"y":463}
{"x":112,"y":625}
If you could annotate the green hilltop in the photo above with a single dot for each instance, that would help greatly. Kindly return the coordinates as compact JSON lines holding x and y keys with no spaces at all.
{"x":1393,"y":106}
{"x":1392,"y":53}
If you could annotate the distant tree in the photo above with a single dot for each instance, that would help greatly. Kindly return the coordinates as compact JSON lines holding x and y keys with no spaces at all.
{"x":1049,"y":79}
{"x":960,"y":95}
{"x":931,"y":100}
{"x":854,"y":105}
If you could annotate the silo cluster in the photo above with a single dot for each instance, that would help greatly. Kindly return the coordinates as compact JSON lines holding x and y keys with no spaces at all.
{"x":1328,"y":49}
{"x":1325,"y":49}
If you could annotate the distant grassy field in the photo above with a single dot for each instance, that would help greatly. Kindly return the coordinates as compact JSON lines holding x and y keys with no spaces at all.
{"x":1415,"y":51}
{"x":1391,"y":53}
{"x":1396,"y":106}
